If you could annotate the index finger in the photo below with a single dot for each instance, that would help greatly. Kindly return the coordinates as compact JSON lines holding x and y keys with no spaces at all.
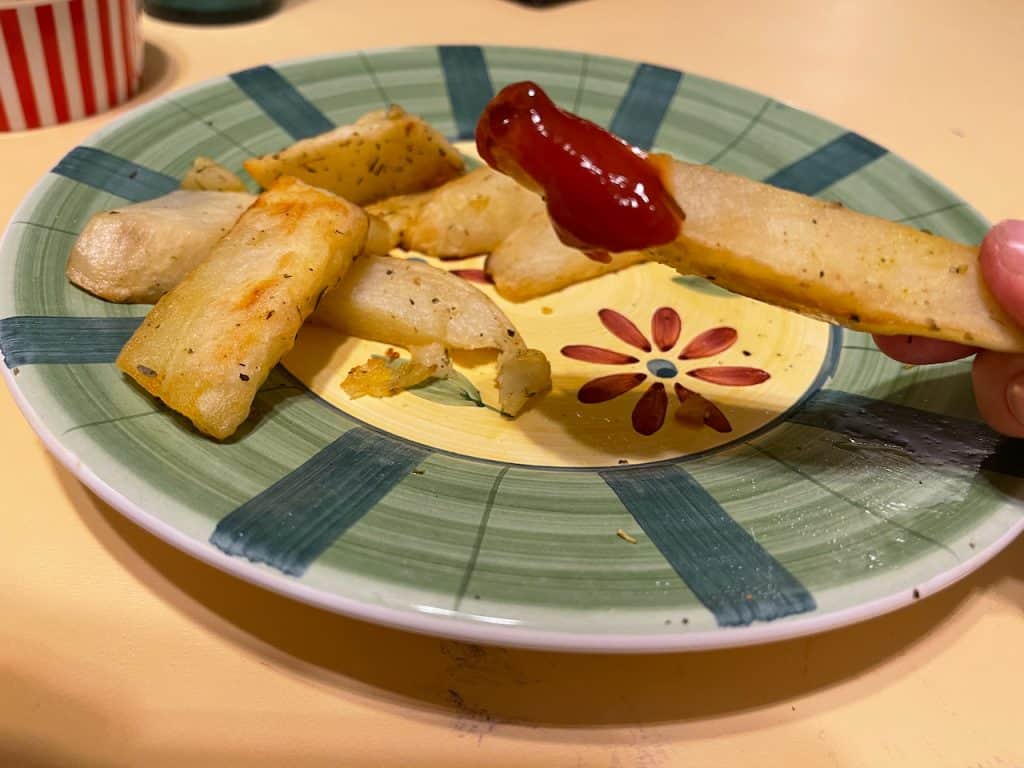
{"x":918,"y":350}
{"x":1002,"y":266}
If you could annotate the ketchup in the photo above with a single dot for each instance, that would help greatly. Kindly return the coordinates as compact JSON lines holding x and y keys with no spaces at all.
{"x":602,"y":194}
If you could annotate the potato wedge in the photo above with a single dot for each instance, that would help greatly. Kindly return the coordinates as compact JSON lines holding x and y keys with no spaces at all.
{"x":139,"y":252}
{"x":469,"y":215}
{"x":821,"y":259}
{"x":533,"y":262}
{"x":208,"y":345}
{"x":427,"y":310}
{"x":206,"y":174}
{"x":384,"y":153}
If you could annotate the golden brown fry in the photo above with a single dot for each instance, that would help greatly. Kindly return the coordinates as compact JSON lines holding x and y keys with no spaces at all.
{"x":208,"y":175}
{"x":533,"y":262}
{"x":208,"y":345}
{"x":384,"y":153}
{"x":821,"y":259}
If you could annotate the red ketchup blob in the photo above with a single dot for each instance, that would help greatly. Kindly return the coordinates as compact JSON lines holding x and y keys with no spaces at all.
{"x":602,"y":194}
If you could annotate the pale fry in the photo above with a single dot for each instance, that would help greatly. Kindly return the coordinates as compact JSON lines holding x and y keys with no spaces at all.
{"x":208,"y":345}
{"x":427,"y":310}
{"x":139,"y":252}
{"x":533,"y":262}
{"x":823,"y":260}
{"x":384,"y":153}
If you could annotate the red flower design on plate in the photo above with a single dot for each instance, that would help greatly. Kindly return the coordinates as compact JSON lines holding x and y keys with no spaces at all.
{"x":650,"y":410}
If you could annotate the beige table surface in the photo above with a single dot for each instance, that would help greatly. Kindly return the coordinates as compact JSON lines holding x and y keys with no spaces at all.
{"x":115,"y":649}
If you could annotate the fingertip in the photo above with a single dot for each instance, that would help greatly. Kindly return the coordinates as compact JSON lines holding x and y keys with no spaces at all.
{"x":1002,"y":266}
{"x":917,"y":350}
{"x":999,"y":390}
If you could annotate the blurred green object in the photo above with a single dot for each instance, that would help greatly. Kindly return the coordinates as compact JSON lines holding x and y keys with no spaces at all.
{"x":210,"y":11}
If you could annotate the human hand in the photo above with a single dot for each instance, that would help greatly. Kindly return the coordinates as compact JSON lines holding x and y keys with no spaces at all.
{"x":998,"y":377}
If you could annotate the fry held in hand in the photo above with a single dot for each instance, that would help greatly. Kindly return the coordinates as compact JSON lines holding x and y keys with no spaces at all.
{"x":209,"y":344}
{"x":826,"y":261}
{"x":794,"y":251}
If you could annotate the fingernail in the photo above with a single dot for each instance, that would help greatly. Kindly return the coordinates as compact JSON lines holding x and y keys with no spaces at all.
{"x":1006,"y":239}
{"x":1015,"y":397}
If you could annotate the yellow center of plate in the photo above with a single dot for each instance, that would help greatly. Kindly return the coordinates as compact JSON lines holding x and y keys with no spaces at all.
{"x":773,"y":359}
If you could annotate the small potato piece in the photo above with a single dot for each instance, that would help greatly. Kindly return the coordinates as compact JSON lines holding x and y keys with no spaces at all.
{"x":421,"y":308}
{"x":384,"y":153}
{"x":206,"y":174}
{"x":379,"y":378}
{"x":469,"y":215}
{"x":389,"y":219}
{"x":823,"y":260}
{"x":533,"y":262}
{"x":208,"y":345}
{"x":380,"y":239}
{"x":139,"y":252}
{"x":522,"y":374}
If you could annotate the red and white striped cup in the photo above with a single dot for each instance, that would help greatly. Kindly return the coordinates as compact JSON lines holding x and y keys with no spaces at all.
{"x":61,"y":60}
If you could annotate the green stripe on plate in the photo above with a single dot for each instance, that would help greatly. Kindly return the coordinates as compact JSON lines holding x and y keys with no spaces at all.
{"x":110,"y":173}
{"x":727,"y":569}
{"x":644,"y":104}
{"x":25,"y":340}
{"x":469,"y":85}
{"x":292,"y":522}
{"x":282,"y":102}
{"x":828,"y":164}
